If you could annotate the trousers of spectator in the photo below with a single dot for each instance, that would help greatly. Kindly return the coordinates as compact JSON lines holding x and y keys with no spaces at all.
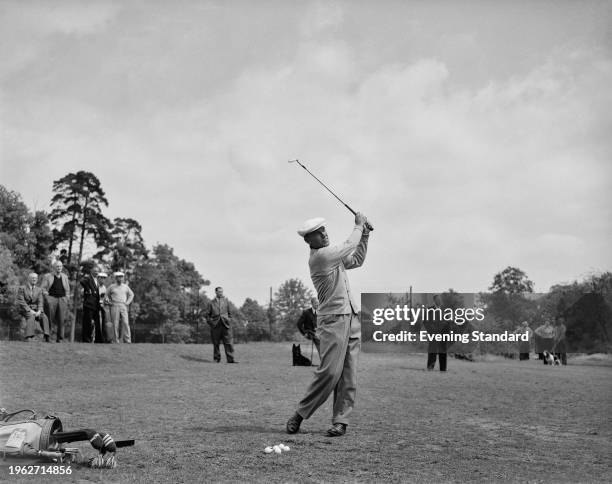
{"x":220,"y":334}
{"x":436,"y":349}
{"x":523,"y":356}
{"x":91,"y":324}
{"x":57,"y":312}
{"x":340,"y":342}
{"x":119,"y":318}
{"x":562,"y":358}
{"x":103,"y":317}
{"x":31,"y":326}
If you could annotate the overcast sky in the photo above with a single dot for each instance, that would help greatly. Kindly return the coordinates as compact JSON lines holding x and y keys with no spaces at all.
{"x":475,"y":135}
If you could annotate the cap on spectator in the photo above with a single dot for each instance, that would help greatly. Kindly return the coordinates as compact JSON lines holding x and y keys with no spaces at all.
{"x":118,"y":273}
{"x":102,"y":274}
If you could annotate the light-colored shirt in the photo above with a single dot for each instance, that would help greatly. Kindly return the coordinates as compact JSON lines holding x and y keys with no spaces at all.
{"x":328,"y":267}
{"x":545,"y":331}
{"x":119,"y":294}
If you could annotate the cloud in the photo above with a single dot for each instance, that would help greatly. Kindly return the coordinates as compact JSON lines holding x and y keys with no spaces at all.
{"x":460,"y":179}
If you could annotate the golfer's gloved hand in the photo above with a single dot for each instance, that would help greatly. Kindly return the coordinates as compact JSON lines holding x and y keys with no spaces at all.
{"x":360,"y":219}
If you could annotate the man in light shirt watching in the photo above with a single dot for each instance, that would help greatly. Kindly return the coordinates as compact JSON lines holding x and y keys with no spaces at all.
{"x":119,"y":296}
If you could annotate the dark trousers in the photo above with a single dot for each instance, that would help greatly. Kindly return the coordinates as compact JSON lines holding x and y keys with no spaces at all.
{"x":562,"y":358}
{"x":312,"y":336}
{"x":523,"y":356}
{"x":220,"y":334}
{"x":100,"y":338}
{"x":57,"y":312}
{"x":431,"y":361}
{"x":91,"y":322}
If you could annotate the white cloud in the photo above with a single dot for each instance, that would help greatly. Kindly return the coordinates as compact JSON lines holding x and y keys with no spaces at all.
{"x":460,"y":181}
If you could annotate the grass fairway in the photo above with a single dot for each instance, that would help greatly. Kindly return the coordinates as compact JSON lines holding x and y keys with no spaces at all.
{"x":197,"y":421}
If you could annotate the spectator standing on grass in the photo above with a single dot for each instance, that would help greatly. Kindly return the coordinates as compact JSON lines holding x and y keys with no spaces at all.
{"x":436,"y":326}
{"x":30,"y":301}
{"x":560,"y":343}
{"x":219,"y":318}
{"x":91,"y":305}
{"x":105,"y":321}
{"x":119,"y":296}
{"x":307,"y":324}
{"x":524,"y":346}
{"x":546,"y":332}
{"x":56,"y":288}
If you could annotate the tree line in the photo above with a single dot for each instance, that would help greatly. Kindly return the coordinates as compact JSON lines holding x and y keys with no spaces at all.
{"x":170,"y":293}
{"x":585,"y":306}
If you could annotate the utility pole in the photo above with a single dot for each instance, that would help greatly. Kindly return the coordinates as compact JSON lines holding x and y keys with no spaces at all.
{"x":270,"y":317}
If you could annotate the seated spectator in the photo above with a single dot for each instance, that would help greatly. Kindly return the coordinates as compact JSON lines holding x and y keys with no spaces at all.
{"x":30,"y":301}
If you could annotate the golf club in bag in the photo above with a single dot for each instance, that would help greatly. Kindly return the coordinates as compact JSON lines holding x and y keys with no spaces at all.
{"x":29,"y":440}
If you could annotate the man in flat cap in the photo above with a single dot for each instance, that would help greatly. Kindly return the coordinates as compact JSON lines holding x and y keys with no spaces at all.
{"x":30,"y":302}
{"x":339,"y":329}
{"x":119,"y":296}
{"x":219,"y":318}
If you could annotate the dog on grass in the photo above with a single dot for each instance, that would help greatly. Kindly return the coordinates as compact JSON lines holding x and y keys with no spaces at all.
{"x":298,"y":358}
{"x":550,"y":359}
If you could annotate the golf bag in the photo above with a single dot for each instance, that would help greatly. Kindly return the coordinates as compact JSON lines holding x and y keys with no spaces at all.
{"x":28,"y":440}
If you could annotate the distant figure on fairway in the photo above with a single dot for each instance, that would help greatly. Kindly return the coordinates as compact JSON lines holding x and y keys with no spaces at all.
{"x":524,"y":346}
{"x":435,"y":325}
{"x":338,"y":322}
{"x":560,"y":344}
{"x":119,"y":296}
{"x":307,"y":324}
{"x":56,"y":290}
{"x":219,"y":318}
{"x":91,"y":305}
{"x":30,"y":301}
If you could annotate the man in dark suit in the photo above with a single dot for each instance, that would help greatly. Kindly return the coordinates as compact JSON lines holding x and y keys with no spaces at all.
{"x":92,"y":330}
{"x":218,"y":317}
{"x":30,"y":301}
{"x":56,"y":290}
{"x":307,"y":324}
{"x":435,"y":325}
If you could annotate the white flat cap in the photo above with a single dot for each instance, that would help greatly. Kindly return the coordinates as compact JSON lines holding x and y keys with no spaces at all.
{"x":311,"y":225}
{"x":102,"y":274}
{"x":118,"y":273}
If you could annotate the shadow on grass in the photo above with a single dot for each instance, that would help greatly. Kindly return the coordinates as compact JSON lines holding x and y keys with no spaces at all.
{"x":196,"y":359}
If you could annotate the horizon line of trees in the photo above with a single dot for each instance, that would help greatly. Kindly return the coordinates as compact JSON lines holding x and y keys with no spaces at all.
{"x":170,"y":297}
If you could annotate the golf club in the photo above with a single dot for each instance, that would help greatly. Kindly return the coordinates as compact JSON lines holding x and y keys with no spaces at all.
{"x":368,"y":225}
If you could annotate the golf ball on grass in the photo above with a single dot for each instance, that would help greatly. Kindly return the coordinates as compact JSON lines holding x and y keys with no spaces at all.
{"x":284,"y":447}
{"x":268,"y":450}
{"x":277,"y":449}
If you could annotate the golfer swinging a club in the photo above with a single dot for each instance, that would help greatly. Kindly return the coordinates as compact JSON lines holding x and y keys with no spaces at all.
{"x":338,"y":323}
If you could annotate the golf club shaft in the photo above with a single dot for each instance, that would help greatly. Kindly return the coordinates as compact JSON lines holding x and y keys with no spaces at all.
{"x":368,"y":225}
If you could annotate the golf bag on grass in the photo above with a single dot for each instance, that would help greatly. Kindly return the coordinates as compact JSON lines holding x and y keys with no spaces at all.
{"x":28,"y":440}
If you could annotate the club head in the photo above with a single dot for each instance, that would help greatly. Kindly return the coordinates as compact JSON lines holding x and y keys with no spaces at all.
{"x":292,"y":161}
